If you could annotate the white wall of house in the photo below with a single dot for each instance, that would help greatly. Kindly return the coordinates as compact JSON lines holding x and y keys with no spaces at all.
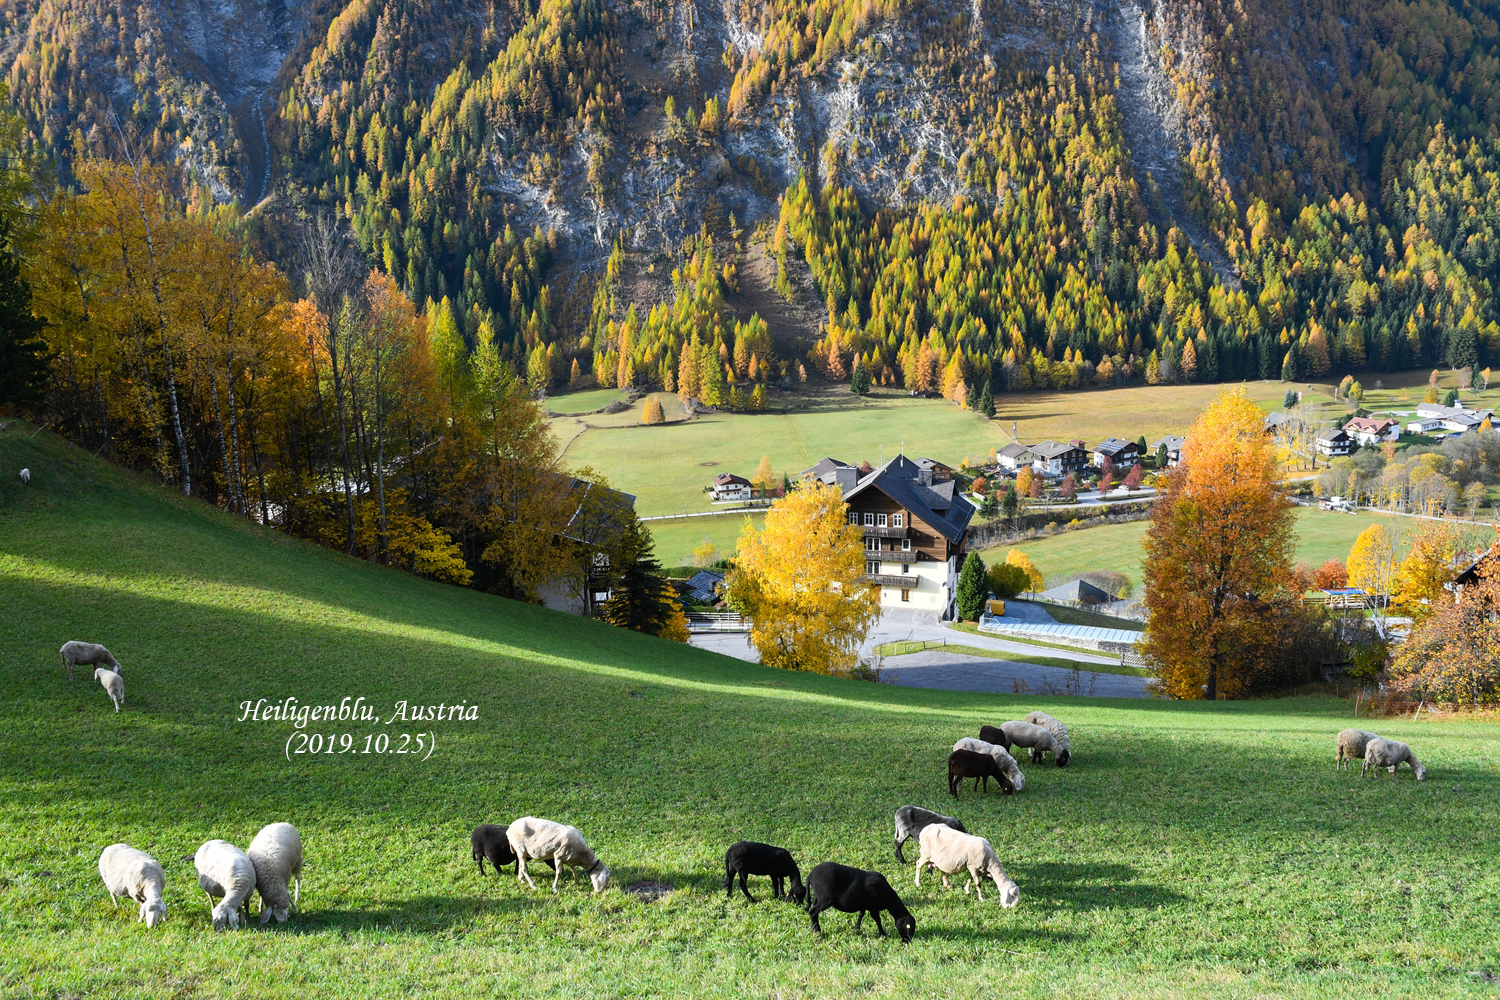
{"x":732,"y":492}
{"x":936,"y":582}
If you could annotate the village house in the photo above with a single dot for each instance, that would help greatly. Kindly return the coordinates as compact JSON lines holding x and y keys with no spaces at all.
{"x":914,"y":526}
{"x":1122,"y":453}
{"x":1444,"y":421}
{"x":595,"y":527}
{"x":1057,"y":460}
{"x":1014,"y":456}
{"x":1282,"y":426}
{"x":728,"y":486}
{"x":1173,"y":445}
{"x":1369,"y":431}
{"x":1332,"y":443}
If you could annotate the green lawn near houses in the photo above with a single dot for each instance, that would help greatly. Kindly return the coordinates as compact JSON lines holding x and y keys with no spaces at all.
{"x":1187,"y":850}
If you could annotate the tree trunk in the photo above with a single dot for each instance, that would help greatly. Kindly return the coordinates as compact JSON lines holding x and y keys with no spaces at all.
{"x":213,"y":382}
{"x":338,"y":404}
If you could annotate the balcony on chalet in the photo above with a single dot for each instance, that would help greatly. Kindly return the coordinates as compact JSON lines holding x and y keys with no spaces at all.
{"x":877,"y":531}
{"x":888,"y":580}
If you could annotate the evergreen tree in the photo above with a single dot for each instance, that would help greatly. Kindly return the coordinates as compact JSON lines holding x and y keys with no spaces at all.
{"x":1267,"y":359}
{"x":987,"y":401}
{"x":1011,"y":502}
{"x":642,"y":600}
{"x":24,"y":358}
{"x":973,"y":588}
{"x":859,"y":383}
{"x":1291,"y":399}
{"x":1450,"y":398}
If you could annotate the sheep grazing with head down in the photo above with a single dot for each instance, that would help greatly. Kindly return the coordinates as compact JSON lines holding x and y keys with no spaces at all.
{"x":225,"y":871}
{"x":1352,"y":743}
{"x":135,"y":875}
{"x":1390,"y":754}
{"x":113,"y":684}
{"x":747,"y":857}
{"x":950,"y":852}
{"x":545,"y":840}
{"x":910,"y":821}
{"x":968,"y":764}
{"x":88,"y":654}
{"x":276,"y":853}
{"x":1025,"y":734}
{"x":854,"y":890}
{"x":1057,"y":729}
{"x":1005,"y":760}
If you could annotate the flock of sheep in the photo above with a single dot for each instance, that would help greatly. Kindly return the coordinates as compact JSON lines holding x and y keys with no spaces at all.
{"x":272,"y":865}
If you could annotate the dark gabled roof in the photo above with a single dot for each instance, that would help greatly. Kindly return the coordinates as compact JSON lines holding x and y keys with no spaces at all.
{"x":939,"y":505}
{"x":823,"y":467}
{"x":702,"y":583}
{"x":929,"y":463}
{"x":1051,"y":449}
{"x":1014,"y":450}
{"x":1471,"y":575}
{"x":1325,"y":436}
{"x":727,"y":478}
{"x":1113,"y":446}
{"x":591,"y":520}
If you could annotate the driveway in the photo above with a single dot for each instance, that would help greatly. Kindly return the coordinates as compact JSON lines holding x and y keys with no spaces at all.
{"x":955,"y":671}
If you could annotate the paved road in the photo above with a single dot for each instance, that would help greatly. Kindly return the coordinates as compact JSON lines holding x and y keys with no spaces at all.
{"x":952,"y":671}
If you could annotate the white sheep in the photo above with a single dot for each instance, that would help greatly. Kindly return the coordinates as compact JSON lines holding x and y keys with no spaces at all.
{"x":1352,"y":743}
{"x":544,"y":840}
{"x":1388,"y":753}
{"x":135,"y":875}
{"x":1007,"y":763}
{"x":1055,"y":727}
{"x":26,"y":477}
{"x":225,"y":871}
{"x":1026,"y":734}
{"x":113,"y":684}
{"x":950,"y":852}
{"x":276,"y":853}
{"x":89,"y":654}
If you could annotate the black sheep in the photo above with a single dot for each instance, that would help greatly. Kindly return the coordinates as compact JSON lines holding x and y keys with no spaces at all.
{"x":995,"y":735}
{"x":911,"y":819}
{"x":854,"y":890}
{"x":968,"y":764}
{"x":750,"y":858}
{"x":489,"y":842}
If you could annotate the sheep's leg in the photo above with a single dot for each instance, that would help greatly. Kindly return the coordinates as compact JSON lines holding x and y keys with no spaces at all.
{"x":522,"y":874}
{"x":728,"y":882}
{"x":297,"y":891}
{"x":921,"y":863}
{"x":556,"y":877}
{"x":812,"y":911}
{"x":778,"y":886}
{"x":480,"y":859}
{"x":878,"y":925}
{"x":743,"y":886}
{"x":978,"y":888}
{"x":859,"y":920}
{"x":946,"y":883}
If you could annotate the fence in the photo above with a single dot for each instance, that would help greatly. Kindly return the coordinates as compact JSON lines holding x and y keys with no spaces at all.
{"x":716,"y":621}
{"x":904,"y":646}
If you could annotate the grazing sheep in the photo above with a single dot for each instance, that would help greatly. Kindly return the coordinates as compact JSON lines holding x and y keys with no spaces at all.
{"x":950,"y":852}
{"x":968,"y":764}
{"x":113,"y":684}
{"x":1388,"y":753}
{"x":854,"y":890}
{"x":1352,"y":744}
{"x":750,"y":858}
{"x":911,"y":819}
{"x":25,"y":477}
{"x":545,"y":840}
{"x":276,"y":853}
{"x":135,"y":875}
{"x":488,"y":841}
{"x":1006,"y":761}
{"x":225,"y":870}
{"x":88,"y":654}
{"x":1056,"y":728}
{"x":1025,"y":734}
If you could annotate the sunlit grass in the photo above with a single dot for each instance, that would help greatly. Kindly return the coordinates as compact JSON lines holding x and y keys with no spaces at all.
{"x":1188,"y":850}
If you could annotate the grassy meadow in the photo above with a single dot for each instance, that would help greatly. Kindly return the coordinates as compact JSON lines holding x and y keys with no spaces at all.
{"x":1189,"y":849}
{"x":1321,"y":535}
{"x":677,"y":538}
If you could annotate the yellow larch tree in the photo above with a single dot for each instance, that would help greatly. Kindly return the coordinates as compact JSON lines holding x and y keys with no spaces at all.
{"x":799,"y":580}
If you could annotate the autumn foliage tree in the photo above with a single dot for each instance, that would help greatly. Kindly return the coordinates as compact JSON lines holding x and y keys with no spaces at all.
{"x":799,"y":580}
{"x":1454,"y":654}
{"x":1217,"y":555}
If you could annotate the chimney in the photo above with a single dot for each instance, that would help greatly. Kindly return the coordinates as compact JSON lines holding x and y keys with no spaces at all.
{"x":844,"y":477}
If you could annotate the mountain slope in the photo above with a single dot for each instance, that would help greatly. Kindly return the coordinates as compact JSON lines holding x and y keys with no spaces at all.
{"x":1187,"y":848}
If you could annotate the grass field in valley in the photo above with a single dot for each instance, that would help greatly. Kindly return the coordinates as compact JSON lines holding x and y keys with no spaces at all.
{"x":1189,"y":849}
{"x":1321,"y":535}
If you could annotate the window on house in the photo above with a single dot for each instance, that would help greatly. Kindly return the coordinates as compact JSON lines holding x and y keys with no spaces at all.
{"x":906,"y":545}
{"x":905,"y":594}
{"x":905,"y":568}
{"x":872,"y":543}
{"x":853,"y":517}
{"x":880,"y":519}
{"x":870,"y":520}
{"x":872,"y":567}
{"x":898,"y":520}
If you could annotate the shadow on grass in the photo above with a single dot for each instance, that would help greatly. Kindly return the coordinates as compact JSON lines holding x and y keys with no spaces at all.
{"x":1091,"y":886}
{"x":421,"y":913}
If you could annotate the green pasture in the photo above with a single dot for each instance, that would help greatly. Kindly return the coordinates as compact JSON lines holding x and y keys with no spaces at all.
{"x":584,"y":401}
{"x":1321,"y":535}
{"x":1189,"y":849}
{"x":677,"y":538}
{"x":668,"y":467}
